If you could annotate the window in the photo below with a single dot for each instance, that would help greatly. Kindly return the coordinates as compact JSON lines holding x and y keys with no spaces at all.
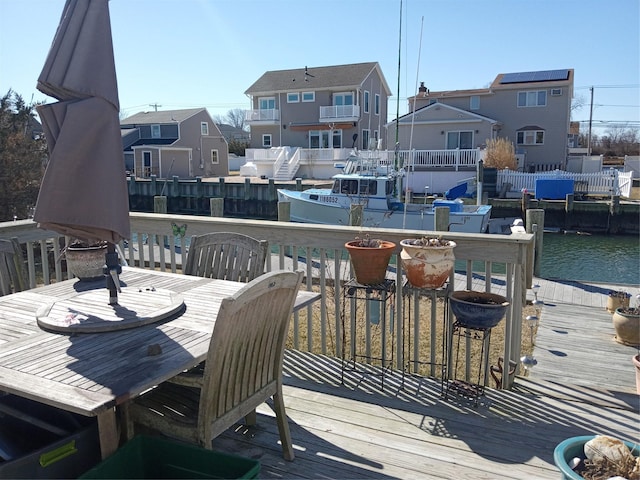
{"x":155,"y":131}
{"x":308,"y":96}
{"x":365,"y":139}
{"x":366,"y":101}
{"x":376,"y":99}
{"x":535,"y":98}
{"x":146,"y":164}
{"x":214,"y":157}
{"x":343,"y":99}
{"x":293,"y":97}
{"x":266,"y":140}
{"x":204,"y":128}
{"x":474,"y":102}
{"x":459,"y":140}
{"x":319,"y":138}
{"x":337,"y":138}
{"x":530,"y":137}
{"x":267,"y":103}
{"x":556,"y":92}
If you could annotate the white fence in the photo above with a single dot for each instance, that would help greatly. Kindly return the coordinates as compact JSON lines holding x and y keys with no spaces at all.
{"x":609,"y":182}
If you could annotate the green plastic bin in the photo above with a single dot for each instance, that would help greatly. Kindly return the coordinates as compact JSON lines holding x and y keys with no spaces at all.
{"x":154,"y":457}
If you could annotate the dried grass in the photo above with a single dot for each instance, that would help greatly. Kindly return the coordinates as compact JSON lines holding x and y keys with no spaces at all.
{"x":420,"y":364}
{"x":500,"y":154}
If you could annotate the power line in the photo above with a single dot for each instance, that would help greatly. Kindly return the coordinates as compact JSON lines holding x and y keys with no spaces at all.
{"x":631,"y":85}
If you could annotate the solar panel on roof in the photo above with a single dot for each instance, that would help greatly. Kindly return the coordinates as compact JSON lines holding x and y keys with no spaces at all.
{"x":541,"y":76}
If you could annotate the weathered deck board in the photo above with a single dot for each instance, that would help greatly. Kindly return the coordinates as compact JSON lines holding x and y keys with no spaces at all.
{"x":583,"y":384}
{"x":358,"y":431}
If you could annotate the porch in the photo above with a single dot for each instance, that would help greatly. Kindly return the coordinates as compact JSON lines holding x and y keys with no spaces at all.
{"x":358,"y":430}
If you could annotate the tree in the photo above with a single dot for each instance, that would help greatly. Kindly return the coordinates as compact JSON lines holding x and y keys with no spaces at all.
{"x":22,"y":157}
{"x":236,"y":118}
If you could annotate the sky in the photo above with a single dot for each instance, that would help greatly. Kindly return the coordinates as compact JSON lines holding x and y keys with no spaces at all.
{"x":174,"y":54}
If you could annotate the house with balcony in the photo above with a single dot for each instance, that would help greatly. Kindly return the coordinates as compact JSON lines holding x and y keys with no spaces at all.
{"x":184,"y":143}
{"x":532,"y":109}
{"x":333,"y":107}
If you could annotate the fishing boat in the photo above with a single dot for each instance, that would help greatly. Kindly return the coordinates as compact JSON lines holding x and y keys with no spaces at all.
{"x":371,"y":183}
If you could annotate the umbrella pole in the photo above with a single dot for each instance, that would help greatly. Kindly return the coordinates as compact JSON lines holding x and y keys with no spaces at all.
{"x":112,"y":270}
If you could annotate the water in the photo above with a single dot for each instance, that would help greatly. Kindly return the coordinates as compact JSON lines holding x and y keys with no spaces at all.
{"x":591,"y":258}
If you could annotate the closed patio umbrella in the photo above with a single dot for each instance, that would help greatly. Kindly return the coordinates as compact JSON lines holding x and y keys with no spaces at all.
{"x":84,"y":190}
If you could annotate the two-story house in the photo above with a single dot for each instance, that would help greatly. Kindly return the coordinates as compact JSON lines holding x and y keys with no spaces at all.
{"x":340,"y":106}
{"x":184,"y":143}
{"x":532,"y":109}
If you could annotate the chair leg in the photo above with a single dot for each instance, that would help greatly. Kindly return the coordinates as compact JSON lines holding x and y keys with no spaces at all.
{"x":251,"y":418}
{"x":283,"y":425}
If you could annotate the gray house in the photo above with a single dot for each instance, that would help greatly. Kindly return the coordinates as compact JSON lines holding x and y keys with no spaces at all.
{"x":532,"y":109}
{"x":185,"y":143}
{"x":319,"y":107}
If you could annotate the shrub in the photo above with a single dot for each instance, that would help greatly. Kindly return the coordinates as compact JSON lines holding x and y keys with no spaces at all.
{"x":500,"y":154}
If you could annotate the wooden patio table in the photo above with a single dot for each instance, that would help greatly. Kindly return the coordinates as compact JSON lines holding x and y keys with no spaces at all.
{"x":92,"y":373}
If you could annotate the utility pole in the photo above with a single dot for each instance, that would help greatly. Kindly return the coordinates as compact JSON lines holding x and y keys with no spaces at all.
{"x":155,"y":106}
{"x":590,"y":121}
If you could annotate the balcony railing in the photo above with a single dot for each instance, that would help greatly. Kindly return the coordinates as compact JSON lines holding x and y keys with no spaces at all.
{"x":263,"y":115}
{"x":319,"y":251}
{"x":342,"y":113}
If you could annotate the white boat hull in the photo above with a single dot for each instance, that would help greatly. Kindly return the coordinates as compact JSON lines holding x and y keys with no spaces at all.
{"x":324,"y":208}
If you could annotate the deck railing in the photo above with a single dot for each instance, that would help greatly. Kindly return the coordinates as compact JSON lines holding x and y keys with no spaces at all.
{"x":319,"y":251}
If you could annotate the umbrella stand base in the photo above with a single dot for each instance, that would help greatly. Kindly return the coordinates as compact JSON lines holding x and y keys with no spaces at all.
{"x":135,"y":307}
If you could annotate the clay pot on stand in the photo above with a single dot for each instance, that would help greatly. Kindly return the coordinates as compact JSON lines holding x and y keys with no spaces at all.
{"x":369,"y":259}
{"x":427,"y":262}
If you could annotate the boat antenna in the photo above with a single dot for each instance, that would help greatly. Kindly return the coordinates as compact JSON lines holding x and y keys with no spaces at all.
{"x":396,"y":160}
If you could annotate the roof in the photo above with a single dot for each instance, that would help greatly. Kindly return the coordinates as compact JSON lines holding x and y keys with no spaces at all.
{"x":313,"y":78}
{"x":163,"y":116}
{"x":406,"y":118}
{"x":513,"y":80}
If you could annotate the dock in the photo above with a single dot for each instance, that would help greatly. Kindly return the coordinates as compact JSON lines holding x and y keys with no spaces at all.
{"x":583,"y":384}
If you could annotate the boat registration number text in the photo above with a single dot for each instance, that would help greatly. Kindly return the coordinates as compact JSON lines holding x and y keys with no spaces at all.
{"x":328,"y":199}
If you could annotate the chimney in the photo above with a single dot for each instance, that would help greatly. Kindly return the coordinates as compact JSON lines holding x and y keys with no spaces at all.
{"x":422,"y":89}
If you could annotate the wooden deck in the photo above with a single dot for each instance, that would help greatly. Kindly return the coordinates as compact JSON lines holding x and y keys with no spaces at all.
{"x":357,"y":430}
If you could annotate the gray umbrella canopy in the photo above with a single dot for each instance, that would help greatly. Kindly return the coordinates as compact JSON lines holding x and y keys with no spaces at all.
{"x":84,"y":189}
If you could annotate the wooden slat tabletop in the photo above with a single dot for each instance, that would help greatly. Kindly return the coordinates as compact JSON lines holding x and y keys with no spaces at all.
{"x":88,"y":373}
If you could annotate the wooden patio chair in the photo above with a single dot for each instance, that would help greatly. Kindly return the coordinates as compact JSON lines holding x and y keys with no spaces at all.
{"x":226,"y":256}
{"x":243,"y":369}
{"x":12,"y":274}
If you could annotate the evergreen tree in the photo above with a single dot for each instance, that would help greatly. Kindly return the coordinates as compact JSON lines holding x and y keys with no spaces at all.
{"x":23,"y":153}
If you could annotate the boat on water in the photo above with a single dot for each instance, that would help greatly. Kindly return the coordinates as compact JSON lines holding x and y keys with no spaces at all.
{"x":370,"y":183}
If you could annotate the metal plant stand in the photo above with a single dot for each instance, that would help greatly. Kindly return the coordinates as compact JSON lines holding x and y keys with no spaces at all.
{"x":361,"y":354}
{"x":468,"y":387}
{"x":437,"y":364}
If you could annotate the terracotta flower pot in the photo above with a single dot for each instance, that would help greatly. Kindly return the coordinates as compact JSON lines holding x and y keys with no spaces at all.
{"x":626,"y":322}
{"x":427,"y":266}
{"x":370,"y":263}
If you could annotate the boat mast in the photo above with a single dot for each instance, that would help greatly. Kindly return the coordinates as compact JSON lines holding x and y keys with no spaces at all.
{"x":397,"y":145}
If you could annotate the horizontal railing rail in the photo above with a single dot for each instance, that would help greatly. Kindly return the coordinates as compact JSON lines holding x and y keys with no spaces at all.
{"x":319,"y":251}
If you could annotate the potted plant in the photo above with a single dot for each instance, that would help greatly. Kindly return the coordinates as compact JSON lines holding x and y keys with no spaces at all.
{"x":86,"y":260}
{"x":478,"y":309}
{"x":617,"y":298}
{"x":626,"y":322}
{"x":593,"y":456}
{"x":427,"y":261}
{"x":370,"y":258}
